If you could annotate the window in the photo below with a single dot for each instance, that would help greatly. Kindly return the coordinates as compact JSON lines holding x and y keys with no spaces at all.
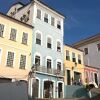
{"x":52,"y":21}
{"x":13,"y":34}
{"x":38,"y":38}
{"x":48,"y":63}
{"x":49,"y":43}
{"x":24,"y":38}
{"x":73,"y":57}
{"x":46,"y":17}
{"x":37,"y":60}
{"x":22,"y":61}
{"x":38,"y":14}
{"x":58,"y":24}
{"x":0,"y":55}
{"x":79,"y":59}
{"x":67,"y":55}
{"x":85,"y":51}
{"x":1,"y":30}
{"x":59,"y":46}
{"x":10,"y":59}
{"x":58,"y":65}
{"x":98,"y":46}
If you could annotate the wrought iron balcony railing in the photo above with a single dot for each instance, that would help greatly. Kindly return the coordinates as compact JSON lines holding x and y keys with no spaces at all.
{"x":49,"y":70}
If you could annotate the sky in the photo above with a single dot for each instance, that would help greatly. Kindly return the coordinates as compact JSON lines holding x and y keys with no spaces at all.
{"x":82,"y":17}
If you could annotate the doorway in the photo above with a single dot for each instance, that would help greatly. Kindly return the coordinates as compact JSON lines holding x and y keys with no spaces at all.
{"x":48,"y":89}
{"x":77,"y":78}
{"x":96,"y":78}
{"x":60,"y":90}
{"x":68,"y":77}
{"x":35,"y":88}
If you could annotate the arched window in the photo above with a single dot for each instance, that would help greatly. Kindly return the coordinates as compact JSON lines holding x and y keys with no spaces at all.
{"x":49,"y":63}
{"x":58,"y":46}
{"x":38,"y":38}
{"x":37,"y":60}
{"x":59,"y":66}
{"x":49,"y":45}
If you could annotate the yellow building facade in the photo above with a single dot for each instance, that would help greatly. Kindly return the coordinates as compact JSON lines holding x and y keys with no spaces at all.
{"x":73,"y":65}
{"x":15,"y":49}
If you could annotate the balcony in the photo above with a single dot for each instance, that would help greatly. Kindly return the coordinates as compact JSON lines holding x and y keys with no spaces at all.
{"x":43,"y":69}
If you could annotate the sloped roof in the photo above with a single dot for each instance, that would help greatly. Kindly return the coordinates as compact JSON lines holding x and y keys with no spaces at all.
{"x":38,"y":2}
{"x":88,"y":40}
{"x":13,"y":19}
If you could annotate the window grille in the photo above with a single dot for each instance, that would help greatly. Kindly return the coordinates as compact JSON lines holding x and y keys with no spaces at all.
{"x":24,"y":38}
{"x":13,"y":34}
{"x":22,"y":61}
{"x":1,"y":30}
{"x":10,"y":59}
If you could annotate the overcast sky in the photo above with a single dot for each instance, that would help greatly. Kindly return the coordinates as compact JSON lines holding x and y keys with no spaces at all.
{"x":82,"y":16}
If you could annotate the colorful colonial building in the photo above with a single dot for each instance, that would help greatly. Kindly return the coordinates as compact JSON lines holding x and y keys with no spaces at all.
{"x":47,"y":47}
{"x":73,"y":65}
{"x":15,"y":49}
{"x":91,"y":75}
{"x":91,"y":48}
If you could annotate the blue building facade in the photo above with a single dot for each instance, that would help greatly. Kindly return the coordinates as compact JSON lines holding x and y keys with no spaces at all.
{"x":47,"y":52}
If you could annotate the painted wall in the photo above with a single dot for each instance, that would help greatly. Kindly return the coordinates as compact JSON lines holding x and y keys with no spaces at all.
{"x":70,"y":65}
{"x":89,"y":73}
{"x":93,"y":56}
{"x":15,"y":46}
{"x":47,"y":30}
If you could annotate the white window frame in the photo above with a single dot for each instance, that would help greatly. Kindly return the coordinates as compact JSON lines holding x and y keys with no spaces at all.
{"x":25,"y":62}
{"x":38,"y":54}
{"x":52,"y":24}
{"x":3,"y":29}
{"x":47,"y":17}
{"x":10,"y":34}
{"x":23,"y":37}
{"x":36,"y":38}
{"x":51,"y":42}
{"x":59,"y":60}
{"x":48,"y":57}
{"x":13,"y":59}
{"x":58,"y":40}
{"x":37,"y":31}
{"x":39,"y":17}
{"x":59,"y":23}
